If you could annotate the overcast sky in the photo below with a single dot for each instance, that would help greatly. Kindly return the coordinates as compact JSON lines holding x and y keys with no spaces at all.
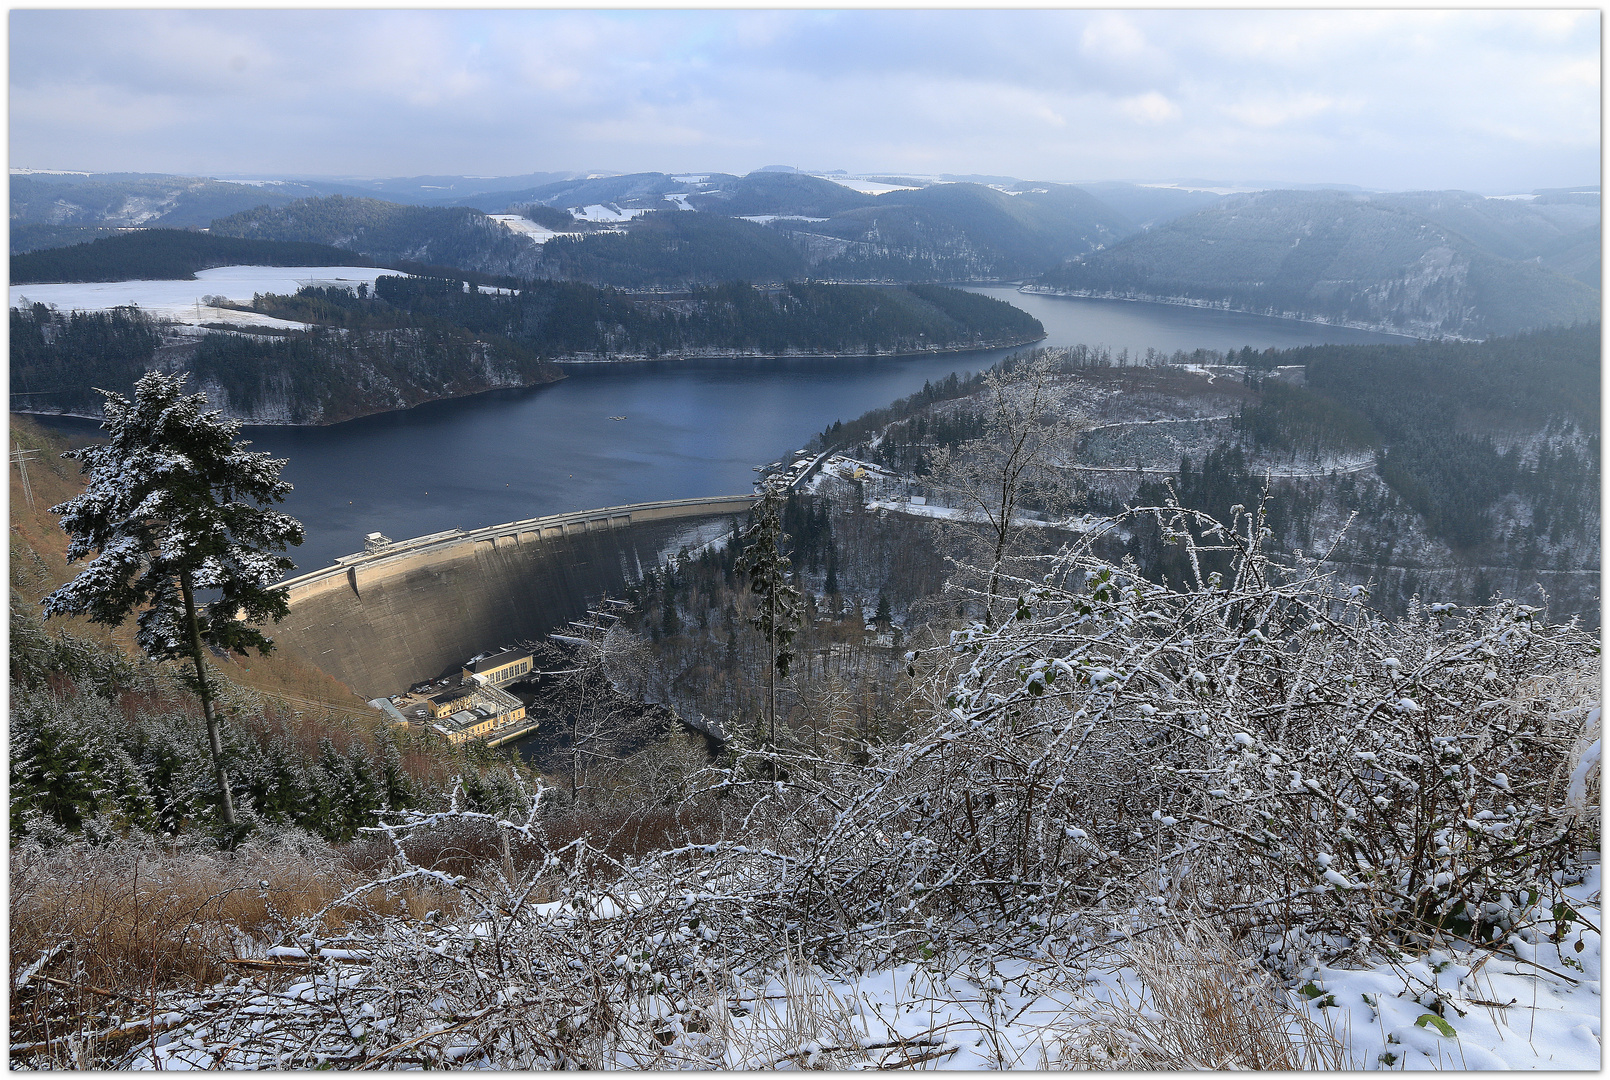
{"x":1482,"y":100}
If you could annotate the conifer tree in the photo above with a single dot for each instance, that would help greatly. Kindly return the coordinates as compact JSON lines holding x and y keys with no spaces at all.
{"x":768,"y":570}
{"x":174,"y":506}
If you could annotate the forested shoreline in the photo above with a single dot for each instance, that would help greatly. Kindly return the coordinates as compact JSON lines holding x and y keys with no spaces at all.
{"x":415,"y":339}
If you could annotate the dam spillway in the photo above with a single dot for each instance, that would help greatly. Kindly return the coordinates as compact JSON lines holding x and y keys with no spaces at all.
{"x":383,"y":620}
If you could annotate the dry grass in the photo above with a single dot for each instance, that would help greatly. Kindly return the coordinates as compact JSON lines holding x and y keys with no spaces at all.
{"x":134,"y":919}
{"x":1199,"y":1006}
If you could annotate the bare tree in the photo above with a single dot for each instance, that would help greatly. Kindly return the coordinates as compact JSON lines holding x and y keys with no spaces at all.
{"x":1016,"y":465}
{"x":596,"y":699}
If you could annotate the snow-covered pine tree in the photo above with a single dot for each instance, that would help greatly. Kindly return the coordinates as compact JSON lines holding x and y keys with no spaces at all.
{"x":174,"y":505}
{"x":768,"y":569}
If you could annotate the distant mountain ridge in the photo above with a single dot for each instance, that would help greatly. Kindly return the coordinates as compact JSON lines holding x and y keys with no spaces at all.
{"x":1380,"y":261}
{"x":1442,"y":263}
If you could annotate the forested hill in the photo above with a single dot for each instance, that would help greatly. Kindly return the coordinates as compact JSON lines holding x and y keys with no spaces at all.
{"x":1373,"y":261}
{"x":320,"y":376}
{"x":958,"y":232}
{"x":164,"y":254}
{"x":802,"y":226}
{"x":571,"y":320}
{"x":1464,"y":427}
{"x":421,"y":339}
{"x":132,"y":200}
{"x":389,"y":232}
{"x":670,"y":249}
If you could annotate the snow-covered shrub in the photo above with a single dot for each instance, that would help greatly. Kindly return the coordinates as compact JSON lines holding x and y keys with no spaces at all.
{"x":1258,"y":752}
{"x":554,"y":954}
{"x":1261,"y":747}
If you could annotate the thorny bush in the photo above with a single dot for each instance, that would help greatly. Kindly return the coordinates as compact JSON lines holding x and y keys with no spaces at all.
{"x":1257,"y":749}
{"x":1261,"y":746}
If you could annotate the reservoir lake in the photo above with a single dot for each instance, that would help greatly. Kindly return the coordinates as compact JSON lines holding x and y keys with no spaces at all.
{"x":692,"y":427}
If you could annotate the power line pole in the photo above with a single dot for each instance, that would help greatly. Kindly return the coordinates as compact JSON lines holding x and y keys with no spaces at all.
{"x":22,"y":457}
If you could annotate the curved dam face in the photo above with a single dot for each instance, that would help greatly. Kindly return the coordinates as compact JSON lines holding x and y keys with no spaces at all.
{"x":413,"y":610}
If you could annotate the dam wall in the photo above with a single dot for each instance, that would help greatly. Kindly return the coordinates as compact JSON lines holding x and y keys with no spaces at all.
{"x":414,"y":610}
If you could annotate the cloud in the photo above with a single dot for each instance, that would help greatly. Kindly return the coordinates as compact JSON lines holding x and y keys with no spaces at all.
{"x":1268,"y":112}
{"x":1394,"y":99}
{"x":1150,"y":108}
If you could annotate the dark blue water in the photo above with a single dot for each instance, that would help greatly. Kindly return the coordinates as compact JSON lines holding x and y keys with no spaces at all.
{"x":692,"y":427}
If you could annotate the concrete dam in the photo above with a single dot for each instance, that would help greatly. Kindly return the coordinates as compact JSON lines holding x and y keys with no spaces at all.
{"x":413,"y":610}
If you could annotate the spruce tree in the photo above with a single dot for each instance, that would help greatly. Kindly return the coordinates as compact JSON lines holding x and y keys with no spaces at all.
{"x":174,"y":506}
{"x":778,"y":614}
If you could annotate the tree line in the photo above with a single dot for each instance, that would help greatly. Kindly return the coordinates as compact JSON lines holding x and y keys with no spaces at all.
{"x":559,"y":318}
{"x":169,"y":254}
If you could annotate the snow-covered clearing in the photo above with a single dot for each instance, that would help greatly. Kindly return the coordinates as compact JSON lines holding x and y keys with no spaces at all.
{"x":765,"y":219}
{"x":921,"y":508}
{"x":679,"y":200}
{"x":604,"y":212}
{"x":527,"y":228}
{"x":1226,"y":189}
{"x":183,"y":301}
{"x":867,"y":187}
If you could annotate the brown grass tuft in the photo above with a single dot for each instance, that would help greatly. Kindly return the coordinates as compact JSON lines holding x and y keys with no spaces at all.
{"x":1200,"y":1006}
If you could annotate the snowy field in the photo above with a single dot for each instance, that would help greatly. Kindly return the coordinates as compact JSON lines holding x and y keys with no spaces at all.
{"x":527,"y":228}
{"x":184,"y":301}
{"x":604,"y":212}
{"x":867,"y":187}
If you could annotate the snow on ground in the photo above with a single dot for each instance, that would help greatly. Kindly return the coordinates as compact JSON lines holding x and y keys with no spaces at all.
{"x":1231,"y":189}
{"x":1513,"y":198}
{"x":867,"y":187}
{"x":606,"y":212}
{"x":1541,"y":1011}
{"x":182,"y":301}
{"x":527,"y":228}
{"x":763,"y":219}
{"x":1535,"y":1008}
{"x":917,"y":507}
{"x":691,"y":178}
{"x":679,"y":200}
{"x":1496,"y":1013}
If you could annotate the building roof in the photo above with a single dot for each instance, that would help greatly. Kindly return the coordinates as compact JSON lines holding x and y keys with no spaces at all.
{"x":391,"y":711}
{"x":508,"y":656}
{"x":463,"y":719}
{"x":455,"y":694}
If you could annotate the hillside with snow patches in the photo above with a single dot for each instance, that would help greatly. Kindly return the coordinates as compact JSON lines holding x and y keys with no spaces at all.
{"x":1440,"y":264}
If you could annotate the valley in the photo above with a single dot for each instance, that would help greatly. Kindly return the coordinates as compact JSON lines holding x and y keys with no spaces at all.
{"x":1334,"y":478}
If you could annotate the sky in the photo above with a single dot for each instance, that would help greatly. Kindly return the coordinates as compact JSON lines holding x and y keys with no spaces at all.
{"x":1489,"y":101}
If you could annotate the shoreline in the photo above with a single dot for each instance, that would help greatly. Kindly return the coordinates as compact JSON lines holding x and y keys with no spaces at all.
{"x":738,"y":354}
{"x":594,"y":363}
{"x":1213,"y":305}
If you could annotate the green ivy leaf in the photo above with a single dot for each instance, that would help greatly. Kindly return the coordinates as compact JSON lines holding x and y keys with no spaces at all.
{"x":1433,"y":1020}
